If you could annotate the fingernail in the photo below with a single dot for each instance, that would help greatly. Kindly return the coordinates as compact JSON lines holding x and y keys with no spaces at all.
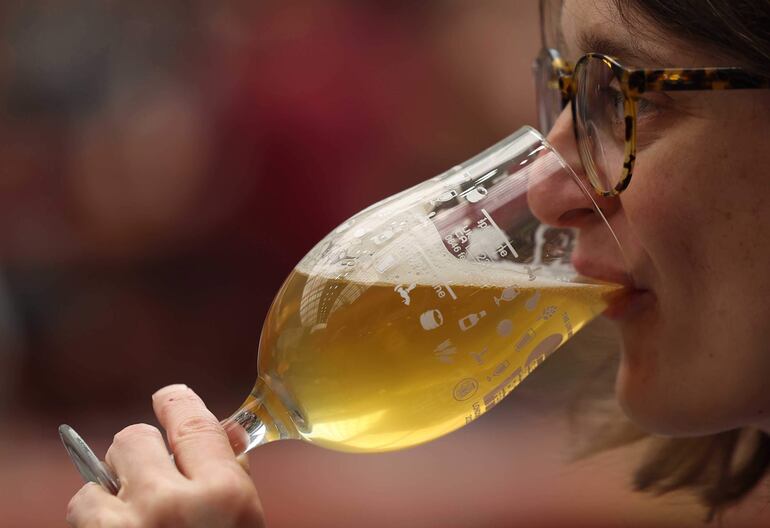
{"x":169,"y":389}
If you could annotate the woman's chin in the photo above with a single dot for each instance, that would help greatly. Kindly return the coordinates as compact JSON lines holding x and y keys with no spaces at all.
{"x":639,"y":386}
{"x":646,"y":418}
{"x":648,"y":405}
{"x":657,"y":410}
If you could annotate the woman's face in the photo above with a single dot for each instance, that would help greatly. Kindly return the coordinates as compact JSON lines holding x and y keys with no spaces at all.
{"x":695,"y":226}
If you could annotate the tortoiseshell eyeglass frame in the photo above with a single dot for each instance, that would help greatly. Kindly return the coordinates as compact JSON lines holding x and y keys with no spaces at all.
{"x":633,"y":84}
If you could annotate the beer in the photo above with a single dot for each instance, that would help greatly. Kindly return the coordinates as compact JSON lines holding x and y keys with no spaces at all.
{"x":371,"y":366}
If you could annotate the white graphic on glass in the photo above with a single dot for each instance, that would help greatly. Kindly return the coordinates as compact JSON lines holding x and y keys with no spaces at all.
{"x":403,"y":291}
{"x":531,"y":303}
{"x":508,"y":294}
{"x":445,"y":351}
{"x":431,"y":319}
{"x":385,"y":263}
{"x":505,"y":328}
{"x":479,"y":356}
{"x":499,"y":369}
{"x":476,"y":194}
{"x":444,"y":197}
{"x":525,"y":339}
{"x":471,"y":320}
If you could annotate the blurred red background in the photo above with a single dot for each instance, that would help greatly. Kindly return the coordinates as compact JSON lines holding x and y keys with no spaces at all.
{"x":163,"y":165}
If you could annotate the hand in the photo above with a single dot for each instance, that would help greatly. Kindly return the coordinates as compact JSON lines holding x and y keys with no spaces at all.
{"x":206,"y":488}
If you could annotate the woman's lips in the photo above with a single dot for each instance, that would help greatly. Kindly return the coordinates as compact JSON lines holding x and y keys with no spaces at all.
{"x":629,"y":301}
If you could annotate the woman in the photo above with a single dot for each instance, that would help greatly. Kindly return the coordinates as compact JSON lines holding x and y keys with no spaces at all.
{"x":683,"y":164}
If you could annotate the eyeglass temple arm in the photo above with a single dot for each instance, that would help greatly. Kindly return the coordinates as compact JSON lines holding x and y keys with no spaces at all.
{"x":566,"y":86}
{"x":682,"y":79}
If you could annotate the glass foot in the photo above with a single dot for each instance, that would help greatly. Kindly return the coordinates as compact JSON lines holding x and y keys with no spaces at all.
{"x":90,"y":467}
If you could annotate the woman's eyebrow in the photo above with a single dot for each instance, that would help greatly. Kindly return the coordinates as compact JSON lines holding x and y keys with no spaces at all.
{"x":626,"y":52}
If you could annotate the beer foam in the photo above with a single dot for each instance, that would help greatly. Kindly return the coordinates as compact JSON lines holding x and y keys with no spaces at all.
{"x":417,"y":255}
{"x":438,"y":265}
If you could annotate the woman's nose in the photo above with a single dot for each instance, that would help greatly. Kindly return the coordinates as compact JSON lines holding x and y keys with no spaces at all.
{"x":561,"y":201}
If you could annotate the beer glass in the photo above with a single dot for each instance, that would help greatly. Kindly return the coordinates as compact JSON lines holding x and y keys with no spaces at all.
{"x":417,"y":315}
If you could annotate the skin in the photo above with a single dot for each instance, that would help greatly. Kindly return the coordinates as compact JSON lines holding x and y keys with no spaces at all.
{"x":207,"y":487}
{"x":695,"y":228}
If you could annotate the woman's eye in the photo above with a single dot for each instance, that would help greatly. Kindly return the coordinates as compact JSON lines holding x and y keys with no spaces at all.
{"x":615,"y":102}
{"x":617,"y":99}
{"x":614,"y":109}
{"x":645,"y":107}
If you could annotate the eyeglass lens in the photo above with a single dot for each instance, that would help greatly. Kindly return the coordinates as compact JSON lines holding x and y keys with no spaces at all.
{"x":600,"y":122}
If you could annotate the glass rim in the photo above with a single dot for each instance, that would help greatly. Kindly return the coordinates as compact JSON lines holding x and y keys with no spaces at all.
{"x":580,"y":183}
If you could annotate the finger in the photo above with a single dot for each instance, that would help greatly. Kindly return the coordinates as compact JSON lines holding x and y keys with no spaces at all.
{"x":93,"y":503}
{"x":198,"y":441}
{"x":138,"y":454}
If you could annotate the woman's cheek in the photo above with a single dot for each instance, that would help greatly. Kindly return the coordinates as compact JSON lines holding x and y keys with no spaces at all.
{"x":656,"y":343}
{"x":676,"y":368}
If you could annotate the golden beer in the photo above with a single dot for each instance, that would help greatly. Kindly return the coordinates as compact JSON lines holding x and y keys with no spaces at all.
{"x":369,"y":366}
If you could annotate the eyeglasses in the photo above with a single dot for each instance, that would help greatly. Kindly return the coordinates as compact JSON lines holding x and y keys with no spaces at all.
{"x":606,"y":101}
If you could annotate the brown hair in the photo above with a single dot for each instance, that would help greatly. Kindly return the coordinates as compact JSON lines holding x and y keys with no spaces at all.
{"x":722,"y":468}
{"x":739,"y":29}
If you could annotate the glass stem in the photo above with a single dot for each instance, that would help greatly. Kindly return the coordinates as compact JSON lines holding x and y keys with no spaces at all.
{"x":262,"y":418}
